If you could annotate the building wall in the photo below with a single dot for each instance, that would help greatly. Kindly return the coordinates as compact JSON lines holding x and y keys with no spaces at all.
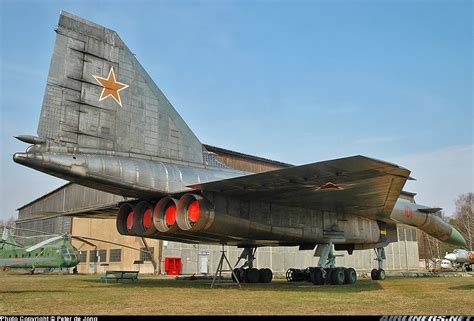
{"x":105,"y":229}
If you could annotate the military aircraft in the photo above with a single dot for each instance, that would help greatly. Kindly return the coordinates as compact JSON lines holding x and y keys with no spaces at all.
{"x":55,"y":252}
{"x":461,"y":258}
{"x":105,"y":124}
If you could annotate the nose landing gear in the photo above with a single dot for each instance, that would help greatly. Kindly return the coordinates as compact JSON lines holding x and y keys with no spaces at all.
{"x":379,"y":274}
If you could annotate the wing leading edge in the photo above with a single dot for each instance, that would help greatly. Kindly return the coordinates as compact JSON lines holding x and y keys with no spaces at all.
{"x":358,"y":185}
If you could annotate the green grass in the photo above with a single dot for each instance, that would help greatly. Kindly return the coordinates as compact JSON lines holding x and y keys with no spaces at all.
{"x":85,"y":294}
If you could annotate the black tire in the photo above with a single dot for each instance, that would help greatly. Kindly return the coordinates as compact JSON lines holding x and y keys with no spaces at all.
{"x":269,"y":276}
{"x":317,"y":276}
{"x":381,"y":274}
{"x":338,"y":276}
{"x":311,"y":271}
{"x":252,"y":275}
{"x":243,"y":275}
{"x":266,"y":275}
{"x":238,"y":274}
{"x":373,"y":274}
{"x":289,"y":275}
{"x":329,"y":272}
{"x":351,"y":276}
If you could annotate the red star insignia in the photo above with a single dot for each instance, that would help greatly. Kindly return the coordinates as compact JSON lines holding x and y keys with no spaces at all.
{"x":111,"y":87}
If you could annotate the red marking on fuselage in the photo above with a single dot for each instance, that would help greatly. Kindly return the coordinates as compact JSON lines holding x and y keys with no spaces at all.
{"x":408,"y":212}
{"x":329,"y":185}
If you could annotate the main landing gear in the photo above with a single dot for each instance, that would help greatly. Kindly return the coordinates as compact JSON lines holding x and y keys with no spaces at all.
{"x":326,"y":272}
{"x":379,"y":274}
{"x":247,"y":273}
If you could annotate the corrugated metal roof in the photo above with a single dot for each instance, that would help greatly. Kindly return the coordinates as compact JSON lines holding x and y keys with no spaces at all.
{"x":45,"y":195}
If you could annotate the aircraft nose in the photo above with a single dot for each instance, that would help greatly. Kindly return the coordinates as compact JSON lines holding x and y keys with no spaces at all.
{"x":450,"y":256}
{"x":456,"y":238}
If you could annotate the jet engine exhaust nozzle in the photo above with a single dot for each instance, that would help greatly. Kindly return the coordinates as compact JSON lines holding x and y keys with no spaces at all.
{"x":194,"y":213}
{"x":164,"y":215}
{"x":143,"y":219}
{"x":125,"y":220}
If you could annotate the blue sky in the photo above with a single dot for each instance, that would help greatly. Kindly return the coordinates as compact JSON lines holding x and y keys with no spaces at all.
{"x":296,"y":81}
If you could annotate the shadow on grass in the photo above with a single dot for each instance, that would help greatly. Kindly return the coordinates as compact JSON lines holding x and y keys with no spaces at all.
{"x":463,"y":287}
{"x":279,"y":285}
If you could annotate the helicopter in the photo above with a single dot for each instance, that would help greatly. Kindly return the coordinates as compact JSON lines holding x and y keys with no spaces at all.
{"x":54,"y":252}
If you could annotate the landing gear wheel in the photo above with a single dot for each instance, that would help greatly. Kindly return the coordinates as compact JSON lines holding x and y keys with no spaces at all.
{"x":238,"y":273}
{"x":338,"y":276}
{"x":243,"y":274}
{"x":373,"y":274}
{"x":252,"y":275}
{"x":381,"y":274}
{"x":307,"y":274}
{"x":351,"y":276}
{"x":317,"y":276}
{"x":265,"y":275}
{"x":311,"y":274}
{"x":329,"y":272}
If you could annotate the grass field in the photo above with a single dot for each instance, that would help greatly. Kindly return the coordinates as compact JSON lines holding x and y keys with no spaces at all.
{"x":85,"y":294}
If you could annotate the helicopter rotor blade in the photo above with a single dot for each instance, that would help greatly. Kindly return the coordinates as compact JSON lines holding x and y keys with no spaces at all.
{"x":5,"y":234}
{"x":12,"y":244}
{"x":43,"y":243}
{"x":36,"y":231}
{"x":82,"y":238}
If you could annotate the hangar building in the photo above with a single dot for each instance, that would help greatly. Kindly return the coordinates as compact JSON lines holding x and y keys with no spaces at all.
{"x":45,"y":214}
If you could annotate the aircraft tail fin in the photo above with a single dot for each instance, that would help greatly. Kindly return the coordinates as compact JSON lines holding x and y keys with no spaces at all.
{"x":7,"y":238}
{"x":98,"y":96}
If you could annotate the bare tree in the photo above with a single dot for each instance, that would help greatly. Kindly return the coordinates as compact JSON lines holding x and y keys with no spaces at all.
{"x":464,"y":217}
{"x":10,"y":222}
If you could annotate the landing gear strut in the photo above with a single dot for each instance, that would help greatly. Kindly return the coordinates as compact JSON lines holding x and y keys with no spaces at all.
{"x":379,"y":274}
{"x":247,"y":273}
{"x":326,"y":272}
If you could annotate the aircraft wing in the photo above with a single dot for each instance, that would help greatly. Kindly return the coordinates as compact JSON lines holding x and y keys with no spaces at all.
{"x":358,"y":185}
